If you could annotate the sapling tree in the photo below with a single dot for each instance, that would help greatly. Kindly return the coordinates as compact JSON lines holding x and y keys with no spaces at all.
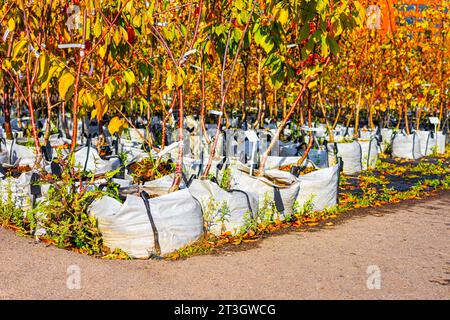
{"x":328,"y":19}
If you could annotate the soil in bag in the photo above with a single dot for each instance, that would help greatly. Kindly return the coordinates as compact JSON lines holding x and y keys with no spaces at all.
{"x":145,"y":170}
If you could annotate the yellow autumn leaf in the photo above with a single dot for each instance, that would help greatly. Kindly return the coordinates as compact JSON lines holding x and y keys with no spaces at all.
{"x":117,"y":37}
{"x":116,"y":125}
{"x":180,"y":76}
{"x":130,"y":78}
{"x":101,"y":107}
{"x":283,"y":16}
{"x":17,"y":49}
{"x":170,"y":80}
{"x":66,"y":81}
{"x":97,"y":28}
{"x":11,"y":24}
{"x":44,"y":65}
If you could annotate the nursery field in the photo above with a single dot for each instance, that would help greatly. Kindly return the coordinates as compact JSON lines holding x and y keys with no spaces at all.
{"x":163,"y":130}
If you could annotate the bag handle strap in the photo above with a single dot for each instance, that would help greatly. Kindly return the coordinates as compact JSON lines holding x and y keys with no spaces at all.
{"x":248,"y":199}
{"x":278,"y":199}
{"x":145,"y":196}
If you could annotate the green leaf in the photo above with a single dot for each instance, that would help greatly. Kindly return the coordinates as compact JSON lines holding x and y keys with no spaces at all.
{"x":304,"y":32}
{"x":334,"y":47}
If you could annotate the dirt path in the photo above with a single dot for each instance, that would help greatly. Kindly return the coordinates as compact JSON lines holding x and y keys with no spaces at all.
{"x":408,"y":243}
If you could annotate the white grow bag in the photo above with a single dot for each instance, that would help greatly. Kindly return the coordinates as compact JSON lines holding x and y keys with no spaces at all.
{"x":369,"y":152}
{"x":241,"y":206}
{"x":386,"y":138}
{"x":319,"y":157}
{"x":177,"y":218}
{"x":320,"y":188}
{"x":441,"y":142}
{"x":4,"y":157}
{"x":4,"y":154}
{"x":351,"y":155}
{"x":367,"y":134}
{"x":138,"y":135}
{"x":133,"y":151}
{"x":20,"y":155}
{"x":406,"y":146}
{"x":289,"y":149}
{"x":276,"y":186}
{"x":17,"y":190}
{"x":94,"y":162}
{"x":428,"y":142}
{"x":196,"y":167}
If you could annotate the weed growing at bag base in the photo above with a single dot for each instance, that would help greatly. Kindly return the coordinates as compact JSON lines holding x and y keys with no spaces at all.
{"x":392,"y":181}
{"x":60,"y":218}
{"x":14,"y":218}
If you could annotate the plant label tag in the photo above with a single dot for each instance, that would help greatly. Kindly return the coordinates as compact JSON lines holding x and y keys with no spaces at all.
{"x":169,"y":148}
{"x":251,"y":135}
{"x":36,"y":53}
{"x":215,"y":112}
{"x":187,"y":54}
{"x":434,"y":120}
{"x":195,"y":67}
{"x":305,"y":128}
{"x":5,"y":36}
{"x":160,"y":24}
{"x":71,"y":45}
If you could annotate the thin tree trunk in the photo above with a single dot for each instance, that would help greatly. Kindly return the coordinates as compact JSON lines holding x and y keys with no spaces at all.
{"x":258,"y":118}
{"x":406,"y":119}
{"x":49,"y":116}
{"x":311,"y":138}
{"x":324,"y":111}
{"x":338,"y":116}
{"x":164,"y":121}
{"x":179,"y":168}
{"x":284,"y":122}
{"x":7,"y":110}
{"x":203,"y":107}
{"x":76,"y":90}
{"x":418,"y":116}
{"x":358,"y":106}
{"x":75,"y":107}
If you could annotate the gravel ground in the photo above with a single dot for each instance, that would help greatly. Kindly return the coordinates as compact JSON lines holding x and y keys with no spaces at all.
{"x":407,"y":243}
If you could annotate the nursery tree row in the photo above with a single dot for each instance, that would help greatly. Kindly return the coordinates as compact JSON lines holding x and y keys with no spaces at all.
{"x":300,"y":60}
